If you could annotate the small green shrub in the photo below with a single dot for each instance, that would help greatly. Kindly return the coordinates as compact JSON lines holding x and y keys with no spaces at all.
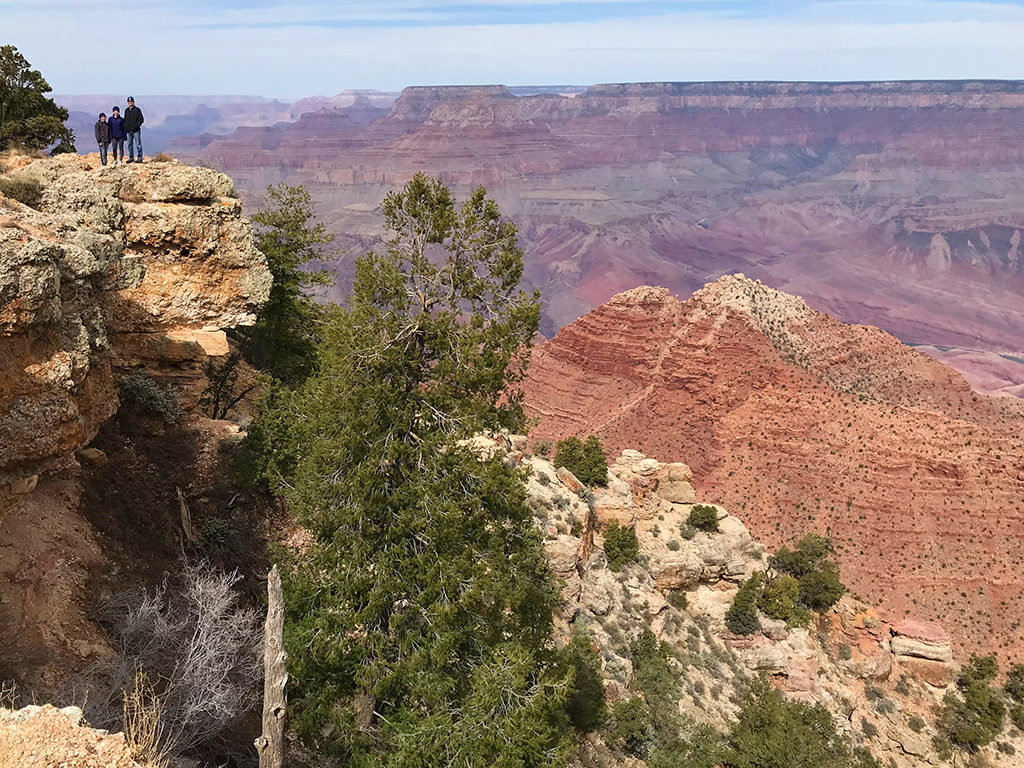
{"x":704,"y":517}
{"x":779,"y":598}
{"x":1006,"y":748}
{"x":885,"y":707}
{"x":143,"y":396}
{"x":630,"y":726}
{"x":585,"y":459}
{"x":868,"y":728}
{"x":845,"y":652}
{"x":620,"y":546}
{"x":542,"y":447}
{"x":1014,"y":687}
{"x":677,"y":599}
{"x":585,"y":703}
{"x":687,"y":531}
{"x":818,"y":576}
{"x":27,"y":191}
{"x":916,"y":723}
{"x":873,"y":692}
{"x":1017,"y":716}
{"x":903,"y":686}
{"x":741,"y":619}
{"x":673,"y":545}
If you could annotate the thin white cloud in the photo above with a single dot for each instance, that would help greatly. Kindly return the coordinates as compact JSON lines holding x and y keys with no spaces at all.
{"x":79,"y":52}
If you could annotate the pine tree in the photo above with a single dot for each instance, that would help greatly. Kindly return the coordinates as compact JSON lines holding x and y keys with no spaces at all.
{"x":420,"y":617}
{"x":28,"y":119}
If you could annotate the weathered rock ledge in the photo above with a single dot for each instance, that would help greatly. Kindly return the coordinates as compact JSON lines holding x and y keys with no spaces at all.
{"x":113,"y":267}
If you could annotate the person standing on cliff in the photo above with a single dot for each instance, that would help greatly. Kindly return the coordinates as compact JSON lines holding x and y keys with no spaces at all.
{"x":102,"y":137}
{"x":116,"y":123}
{"x":133,"y":121}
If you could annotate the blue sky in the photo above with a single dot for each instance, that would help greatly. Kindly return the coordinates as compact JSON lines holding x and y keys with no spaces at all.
{"x":306,"y":47}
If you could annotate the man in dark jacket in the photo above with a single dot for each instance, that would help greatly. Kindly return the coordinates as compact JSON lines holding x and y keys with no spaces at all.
{"x":102,"y":137}
{"x":133,"y":129}
{"x":116,"y":123}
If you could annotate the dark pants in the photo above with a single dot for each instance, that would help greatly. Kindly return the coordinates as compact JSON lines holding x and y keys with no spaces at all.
{"x":134,"y":140}
{"x":103,"y":154}
{"x":117,"y":149}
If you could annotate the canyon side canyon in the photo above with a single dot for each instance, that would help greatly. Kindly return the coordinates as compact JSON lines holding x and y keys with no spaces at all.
{"x":897,"y":204}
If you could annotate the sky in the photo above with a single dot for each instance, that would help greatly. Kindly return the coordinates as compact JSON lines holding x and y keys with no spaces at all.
{"x":321,"y":47}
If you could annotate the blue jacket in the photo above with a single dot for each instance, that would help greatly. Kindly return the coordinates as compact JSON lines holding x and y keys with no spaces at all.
{"x":116,"y":127}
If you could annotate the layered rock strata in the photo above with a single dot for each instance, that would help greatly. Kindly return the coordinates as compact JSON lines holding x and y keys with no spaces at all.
{"x":800,"y":423}
{"x":112,"y":267}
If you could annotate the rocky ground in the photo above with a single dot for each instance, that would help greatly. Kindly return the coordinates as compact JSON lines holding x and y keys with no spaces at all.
{"x":877,"y":674}
{"x":46,"y":737}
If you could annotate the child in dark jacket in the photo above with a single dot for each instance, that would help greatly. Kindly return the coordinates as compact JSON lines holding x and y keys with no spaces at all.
{"x":102,"y":131}
{"x":117,"y":135}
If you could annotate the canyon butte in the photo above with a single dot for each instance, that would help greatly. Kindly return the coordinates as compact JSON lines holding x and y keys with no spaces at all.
{"x":798,"y":422}
{"x":896,"y":204}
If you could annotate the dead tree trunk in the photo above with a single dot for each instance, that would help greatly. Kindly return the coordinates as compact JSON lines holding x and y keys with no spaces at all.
{"x":270,"y":745}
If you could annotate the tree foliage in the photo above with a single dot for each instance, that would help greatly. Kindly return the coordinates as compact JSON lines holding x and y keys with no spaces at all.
{"x":809,"y":564}
{"x":704,"y":517}
{"x":282,"y":343}
{"x":584,"y":458}
{"x":585,"y":703}
{"x":420,"y":616}
{"x":773,"y":732}
{"x":972,"y":716}
{"x":780,"y":597}
{"x":620,"y":545}
{"x":741,"y":618}
{"x":28,"y":118}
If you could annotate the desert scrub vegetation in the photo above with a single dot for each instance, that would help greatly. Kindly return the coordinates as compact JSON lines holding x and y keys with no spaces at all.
{"x":186,"y":676}
{"x":972,"y":715}
{"x":584,"y":458}
{"x":141,"y":396}
{"x":27,"y":191}
{"x":704,"y":517}
{"x":741,"y":618}
{"x":621,"y":546}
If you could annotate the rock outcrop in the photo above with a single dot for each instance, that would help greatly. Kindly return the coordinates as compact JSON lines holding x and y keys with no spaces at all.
{"x":851,"y":659}
{"x":113,"y":267}
{"x":44,"y":737}
{"x":799,"y":423}
{"x":109,"y":269}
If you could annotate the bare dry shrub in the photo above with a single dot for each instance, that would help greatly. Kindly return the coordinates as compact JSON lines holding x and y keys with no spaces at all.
{"x":162,"y":157}
{"x":144,"y":725}
{"x":199,"y":650}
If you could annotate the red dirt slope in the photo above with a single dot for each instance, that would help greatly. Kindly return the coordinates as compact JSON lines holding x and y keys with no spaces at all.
{"x":798,"y":422}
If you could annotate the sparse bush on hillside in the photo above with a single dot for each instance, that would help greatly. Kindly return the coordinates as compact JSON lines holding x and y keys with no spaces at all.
{"x":741,"y":619}
{"x":704,"y":517}
{"x":542,"y":448}
{"x":141,"y":395}
{"x":198,"y":651}
{"x":585,"y":703}
{"x":27,"y":191}
{"x":774,"y":732}
{"x":818,"y":576}
{"x":779,"y":598}
{"x":584,"y":458}
{"x":972,"y":716}
{"x":620,"y":545}
{"x":1014,"y":687}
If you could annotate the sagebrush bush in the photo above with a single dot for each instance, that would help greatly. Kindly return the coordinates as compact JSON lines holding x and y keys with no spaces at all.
{"x":27,"y":191}
{"x":197,"y":649}
{"x":141,"y":395}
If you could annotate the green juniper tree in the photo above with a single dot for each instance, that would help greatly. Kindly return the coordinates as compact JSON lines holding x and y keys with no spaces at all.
{"x":282,"y":343}
{"x":420,"y":617}
{"x":28,"y":119}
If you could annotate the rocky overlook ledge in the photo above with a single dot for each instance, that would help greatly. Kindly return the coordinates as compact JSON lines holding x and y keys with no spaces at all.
{"x":108,"y":268}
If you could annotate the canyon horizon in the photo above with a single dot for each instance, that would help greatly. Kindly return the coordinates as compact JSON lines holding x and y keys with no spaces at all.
{"x":898,"y":204}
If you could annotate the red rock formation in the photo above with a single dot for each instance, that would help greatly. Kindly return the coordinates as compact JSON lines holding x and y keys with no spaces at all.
{"x":797,"y":422}
{"x":894,"y":204}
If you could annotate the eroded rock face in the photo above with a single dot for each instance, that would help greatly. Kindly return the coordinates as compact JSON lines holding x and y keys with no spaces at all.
{"x":797,"y":422}
{"x":139,"y":264}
